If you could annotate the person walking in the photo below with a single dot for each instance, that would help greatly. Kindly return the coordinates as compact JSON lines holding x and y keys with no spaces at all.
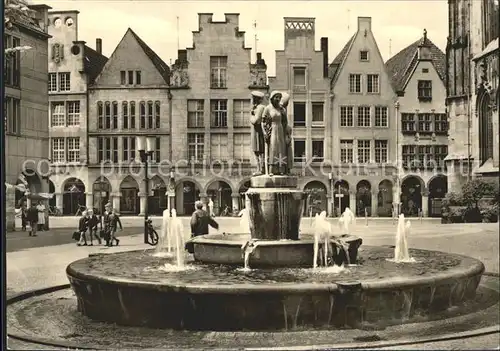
{"x":41,"y":215}
{"x":83,"y":225}
{"x":24,"y":219}
{"x":200,"y":220}
{"x":114,"y":222}
{"x":32,"y":217}
{"x":93,"y":227}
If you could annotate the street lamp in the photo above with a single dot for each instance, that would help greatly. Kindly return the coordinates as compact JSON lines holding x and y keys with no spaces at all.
{"x":332,"y":195}
{"x":145,"y":146}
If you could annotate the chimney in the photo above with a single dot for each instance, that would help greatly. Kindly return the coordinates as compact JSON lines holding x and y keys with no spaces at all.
{"x":364,"y":24}
{"x":324,"y":49}
{"x":98,"y":45}
{"x":182,"y":55}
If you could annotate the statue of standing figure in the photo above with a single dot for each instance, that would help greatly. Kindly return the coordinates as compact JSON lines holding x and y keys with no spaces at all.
{"x":288,"y":134}
{"x":274,"y":124}
{"x":257,"y":132}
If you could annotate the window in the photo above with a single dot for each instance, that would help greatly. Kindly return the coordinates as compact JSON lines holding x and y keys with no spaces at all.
{"x":64,"y":82}
{"x":346,"y":116}
{"x":407,"y":122}
{"x":318,"y":150}
{"x":123,"y":77}
{"x":157,"y":152}
{"x":425,"y":70}
{"x":132,"y":115}
{"x":196,"y":146}
{"x":195,"y":113}
{"x":364,"y":118}
{"x":424,"y":155}
{"x":409,"y":153}
{"x":317,"y":113}
{"x":128,"y":149}
{"x":241,"y":116}
{"x":142,"y":112}
{"x":363,"y":55}
{"x":441,"y":123}
{"x":115,"y":115}
{"x":58,"y":150}
{"x":73,"y":149}
{"x":425,"y":90}
{"x":299,"y":151}
{"x":424,"y":122}
{"x":107,"y":115}
{"x":218,"y":71}
{"x":372,"y":84}
{"x":381,"y":151}
{"x":100,"y":115}
{"x":130,"y":77}
{"x":299,"y":79}
{"x":219,"y":113}
{"x":299,"y":114}
{"x":157,"y":114}
{"x":107,"y":149}
{"x":354,"y":83}
{"x":138,"y":77}
{"x":58,"y":118}
{"x":242,"y":149}
{"x":346,"y":151}
{"x":125,"y":115}
{"x":218,"y":147}
{"x":12,"y":64}
{"x":364,"y":151}
{"x":150,"y":115}
{"x":381,"y":116}
{"x":12,"y":117}
{"x":52,"y":82}
{"x":73,"y":113}
{"x":440,"y":153}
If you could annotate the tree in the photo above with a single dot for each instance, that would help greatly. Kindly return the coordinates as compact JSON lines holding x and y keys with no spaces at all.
{"x":475,"y":189}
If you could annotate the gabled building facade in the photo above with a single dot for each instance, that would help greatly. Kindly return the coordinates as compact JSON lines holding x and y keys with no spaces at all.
{"x":25,"y":107}
{"x":129,"y":98}
{"x":211,"y":84}
{"x":302,"y":72}
{"x":472,"y":101}
{"x":364,"y":132}
{"x":72,"y":66}
{"x":418,"y":76}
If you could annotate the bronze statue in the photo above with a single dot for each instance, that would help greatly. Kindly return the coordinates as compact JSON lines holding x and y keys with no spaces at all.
{"x":274,"y":135}
{"x":288,"y":134}
{"x":257,"y":133}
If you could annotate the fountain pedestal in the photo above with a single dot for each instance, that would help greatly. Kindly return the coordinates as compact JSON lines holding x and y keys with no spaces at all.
{"x":275,"y":207}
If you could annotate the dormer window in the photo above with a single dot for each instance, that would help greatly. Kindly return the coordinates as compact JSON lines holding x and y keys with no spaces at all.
{"x":127,"y":78}
{"x":364,"y":56}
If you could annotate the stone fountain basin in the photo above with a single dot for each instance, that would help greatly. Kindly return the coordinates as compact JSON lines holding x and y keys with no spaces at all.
{"x":129,"y":289}
{"x":227,"y":249}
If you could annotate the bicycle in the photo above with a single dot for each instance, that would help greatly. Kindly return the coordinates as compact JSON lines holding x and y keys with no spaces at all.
{"x":153,"y":237}
{"x":54,"y":211}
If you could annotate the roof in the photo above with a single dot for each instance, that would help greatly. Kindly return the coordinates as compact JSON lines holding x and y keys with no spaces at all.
{"x":401,"y":66}
{"x":25,"y":18}
{"x":334,"y":66}
{"x":160,"y":65}
{"x":93,"y":63}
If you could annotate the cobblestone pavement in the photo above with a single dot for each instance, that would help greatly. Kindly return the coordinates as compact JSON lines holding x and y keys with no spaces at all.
{"x":40,"y":267}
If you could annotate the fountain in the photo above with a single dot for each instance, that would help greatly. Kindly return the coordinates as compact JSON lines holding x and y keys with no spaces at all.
{"x":278,"y":288}
{"x":164,"y":247}
{"x":401,"y":252}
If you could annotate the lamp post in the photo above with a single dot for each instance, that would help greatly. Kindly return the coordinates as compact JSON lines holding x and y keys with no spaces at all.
{"x":145,"y":146}
{"x":398,"y":165}
{"x":332,"y":195}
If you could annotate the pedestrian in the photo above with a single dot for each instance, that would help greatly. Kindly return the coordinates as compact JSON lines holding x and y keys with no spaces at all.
{"x":83,"y":225}
{"x":41,"y":215}
{"x":32,"y":217}
{"x":24,"y":219}
{"x":114,"y":222}
{"x":106,"y":223}
{"x":93,"y":226}
{"x":200,"y":221}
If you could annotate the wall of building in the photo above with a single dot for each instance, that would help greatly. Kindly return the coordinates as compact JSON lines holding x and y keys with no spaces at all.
{"x":28,"y":150}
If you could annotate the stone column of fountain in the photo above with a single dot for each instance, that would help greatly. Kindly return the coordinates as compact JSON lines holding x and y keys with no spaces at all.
{"x":274,"y":206}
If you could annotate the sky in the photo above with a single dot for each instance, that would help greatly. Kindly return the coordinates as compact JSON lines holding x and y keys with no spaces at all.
{"x":395,"y":23}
